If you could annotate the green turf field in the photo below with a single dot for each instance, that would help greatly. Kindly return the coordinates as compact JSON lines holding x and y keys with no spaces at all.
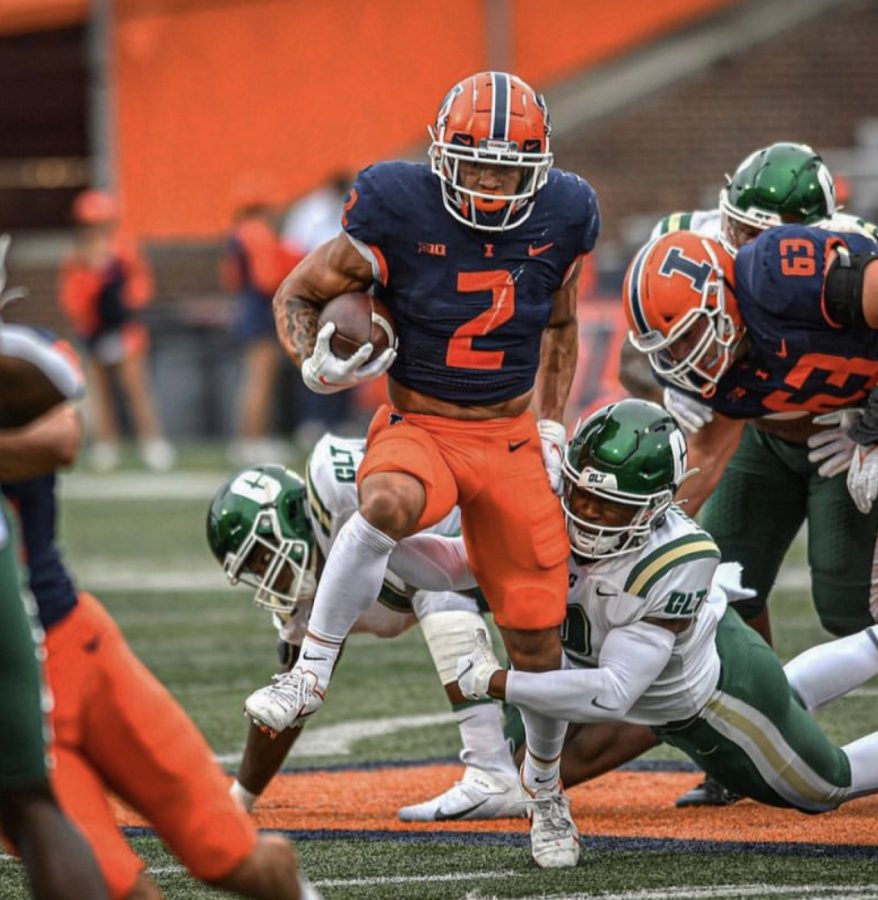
{"x":138,"y":543}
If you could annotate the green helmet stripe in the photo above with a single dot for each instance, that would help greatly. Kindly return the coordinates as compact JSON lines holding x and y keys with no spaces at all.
{"x":319,"y":511}
{"x":658,"y":563}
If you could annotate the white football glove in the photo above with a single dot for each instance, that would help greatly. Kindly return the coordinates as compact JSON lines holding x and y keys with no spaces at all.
{"x":324,"y":373}
{"x":474,"y":670}
{"x":553,"y":438}
{"x":833,"y":447}
{"x":687,"y":412}
{"x":863,"y":477}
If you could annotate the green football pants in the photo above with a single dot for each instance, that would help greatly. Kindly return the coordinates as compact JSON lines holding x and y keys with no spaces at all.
{"x":754,"y":736}
{"x":768,"y":490}
{"x":22,"y":712}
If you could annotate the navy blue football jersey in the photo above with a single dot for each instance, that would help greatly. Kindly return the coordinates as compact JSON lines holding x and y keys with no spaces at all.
{"x":798,"y":358}
{"x":470,"y":306}
{"x":34,"y":502}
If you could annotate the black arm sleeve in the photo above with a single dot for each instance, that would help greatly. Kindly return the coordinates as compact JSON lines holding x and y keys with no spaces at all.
{"x":843,"y":287}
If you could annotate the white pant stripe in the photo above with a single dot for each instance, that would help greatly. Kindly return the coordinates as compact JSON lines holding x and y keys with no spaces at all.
{"x":777,"y":762}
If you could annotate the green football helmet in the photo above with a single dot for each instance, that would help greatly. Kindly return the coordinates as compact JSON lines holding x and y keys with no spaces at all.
{"x":259,"y":530}
{"x":777,"y":185}
{"x":632,"y":454}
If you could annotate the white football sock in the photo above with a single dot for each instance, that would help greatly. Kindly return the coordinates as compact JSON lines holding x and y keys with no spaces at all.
{"x":244,"y":798}
{"x":481,"y":734}
{"x":863,"y":756}
{"x":831,"y":670}
{"x":351,"y":579}
{"x":542,"y":761}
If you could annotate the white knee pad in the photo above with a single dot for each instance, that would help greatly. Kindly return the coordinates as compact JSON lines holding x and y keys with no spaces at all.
{"x":425,"y":603}
{"x":450,"y":635}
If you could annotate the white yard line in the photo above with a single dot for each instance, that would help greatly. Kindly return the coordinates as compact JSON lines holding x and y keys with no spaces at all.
{"x":719,"y":892}
{"x":142,"y":485}
{"x":412,"y":879}
{"x":339,"y":740}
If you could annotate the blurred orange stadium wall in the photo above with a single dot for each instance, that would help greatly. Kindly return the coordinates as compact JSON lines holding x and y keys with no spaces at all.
{"x":212,"y":94}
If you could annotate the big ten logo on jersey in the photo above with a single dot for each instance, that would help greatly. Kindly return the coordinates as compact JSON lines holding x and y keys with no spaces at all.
{"x":681,"y":604}
{"x":343,"y":464}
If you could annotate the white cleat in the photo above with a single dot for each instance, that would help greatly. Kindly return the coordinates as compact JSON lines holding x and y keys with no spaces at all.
{"x":287,"y":701}
{"x":554,"y":837}
{"x":478,"y":795}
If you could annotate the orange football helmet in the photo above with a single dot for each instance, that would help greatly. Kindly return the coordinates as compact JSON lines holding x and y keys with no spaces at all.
{"x":681,"y":309}
{"x":495,"y":119}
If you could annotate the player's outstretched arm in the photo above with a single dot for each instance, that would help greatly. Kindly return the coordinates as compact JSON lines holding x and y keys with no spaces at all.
{"x":334,"y":268}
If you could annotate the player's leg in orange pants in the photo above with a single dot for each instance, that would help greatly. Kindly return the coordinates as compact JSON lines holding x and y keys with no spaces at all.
{"x":117,"y":728}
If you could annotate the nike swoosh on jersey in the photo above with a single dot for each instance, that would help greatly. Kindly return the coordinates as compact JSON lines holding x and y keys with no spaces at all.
{"x":599,"y":705}
{"x":601,"y":593}
{"x":517,"y":445}
{"x":449,"y":817}
{"x":536,"y":251}
{"x":783,"y":352}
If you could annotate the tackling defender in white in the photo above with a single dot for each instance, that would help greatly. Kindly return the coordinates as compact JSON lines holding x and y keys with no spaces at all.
{"x":649,"y":638}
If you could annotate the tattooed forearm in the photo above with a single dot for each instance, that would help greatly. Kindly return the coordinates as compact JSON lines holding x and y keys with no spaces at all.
{"x":296,"y":322}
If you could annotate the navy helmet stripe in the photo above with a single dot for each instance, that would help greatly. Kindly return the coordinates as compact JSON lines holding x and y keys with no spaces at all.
{"x":634,"y":292}
{"x":500,"y":104}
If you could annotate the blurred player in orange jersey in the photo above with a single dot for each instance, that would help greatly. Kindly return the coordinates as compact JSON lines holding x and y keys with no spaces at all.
{"x":104,"y":283}
{"x":254,"y":263}
{"x":116,"y":727}
{"x":59,"y":866}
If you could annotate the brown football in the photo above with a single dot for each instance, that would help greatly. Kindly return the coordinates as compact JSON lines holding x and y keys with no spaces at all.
{"x":359,"y":318}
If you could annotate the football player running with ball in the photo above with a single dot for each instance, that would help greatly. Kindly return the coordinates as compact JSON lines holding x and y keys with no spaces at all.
{"x":477,"y":257}
{"x":273,"y":530}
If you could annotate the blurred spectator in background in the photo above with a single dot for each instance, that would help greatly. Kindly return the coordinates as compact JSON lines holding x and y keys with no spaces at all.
{"x":254,"y":263}
{"x":105,"y":283}
{"x":310,"y":222}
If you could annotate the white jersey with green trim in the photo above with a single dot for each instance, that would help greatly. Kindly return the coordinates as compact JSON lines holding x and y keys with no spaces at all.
{"x":331,"y":480}
{"x":671,"y":577}
{"x":708,"y":223}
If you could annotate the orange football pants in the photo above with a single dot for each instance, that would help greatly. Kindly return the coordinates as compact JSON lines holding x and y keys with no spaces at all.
{"x":512,"y":523}
{"x":118,"y":729}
